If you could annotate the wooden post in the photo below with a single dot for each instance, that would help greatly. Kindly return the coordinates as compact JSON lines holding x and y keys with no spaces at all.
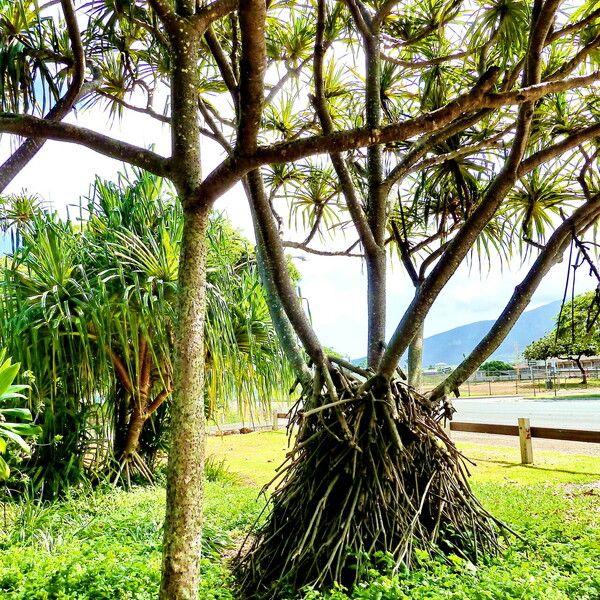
{"x":275,"y":421}
{"x":525,"y":442}
{"x":447,"y":427}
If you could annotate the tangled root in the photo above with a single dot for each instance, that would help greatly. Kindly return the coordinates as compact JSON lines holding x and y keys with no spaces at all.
{"x":372,"y":470}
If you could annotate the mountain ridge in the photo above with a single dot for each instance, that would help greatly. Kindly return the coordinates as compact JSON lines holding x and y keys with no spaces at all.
{"x":451,"y":346}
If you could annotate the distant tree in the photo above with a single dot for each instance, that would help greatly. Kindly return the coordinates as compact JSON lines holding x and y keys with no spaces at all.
{"x":577,"y":333}
{"x":494,"y":366}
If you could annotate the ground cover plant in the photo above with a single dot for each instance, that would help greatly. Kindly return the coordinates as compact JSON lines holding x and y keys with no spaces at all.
{"x":105,"y":544}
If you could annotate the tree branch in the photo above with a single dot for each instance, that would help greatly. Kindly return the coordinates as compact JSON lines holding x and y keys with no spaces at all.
{"x":290,"y":72}
{"x":232,"y":169}
{"x":442,"y":232}
{"x":21,"y":157}
{"x":465,"y":150}
{"x":572,"y":64}
{"x":156,"y":403}
{"x":422,"y":146}
{"x":302,"y":246}
{"x":355,"y":209}
{"x":163,"y":9}
{"x":574,"y":27}
{"x":431,"y":258}
{"x":217,"y":134}
{"x":547,"y":154}
{"x":223,"y":65}
{"x":285,"y":331}
{"x":138,"y":109}
{"x":212,"y":12}
{"x":28,"y":126}
{"x":422,"y":64}
{"x":276,"y":267}
{"x":120,"y":370}
{"x":581,"y":219}
{"x":252,"y":15}
{"x":358,"y":17}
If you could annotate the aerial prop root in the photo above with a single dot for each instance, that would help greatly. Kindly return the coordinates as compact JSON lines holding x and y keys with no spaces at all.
{"x":371,"y":473}
{"x":129,"y":466}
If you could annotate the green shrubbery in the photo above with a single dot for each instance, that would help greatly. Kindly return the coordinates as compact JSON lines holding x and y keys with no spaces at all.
{"x":105,"y":545}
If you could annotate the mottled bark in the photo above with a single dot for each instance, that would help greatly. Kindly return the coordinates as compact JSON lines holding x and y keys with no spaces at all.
{"x":185,"y":487}
{"x":185,"y":472}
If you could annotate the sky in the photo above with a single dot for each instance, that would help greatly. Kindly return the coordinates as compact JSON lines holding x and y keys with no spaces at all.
{"x":335,"y":287}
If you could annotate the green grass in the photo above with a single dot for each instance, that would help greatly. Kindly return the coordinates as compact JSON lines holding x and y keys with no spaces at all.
{"x":503,"y":465}
{"x":254,"y":456}
{"x":106,"y":544}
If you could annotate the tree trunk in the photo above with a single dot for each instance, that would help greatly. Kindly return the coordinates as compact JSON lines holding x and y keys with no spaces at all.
{"x":185,"y":486}
{"x":185,"y":471}
{"x":134,"y":432}
{"x":376,"y":209}
{"x":577,"y":361}
{"x":415,"y":360}
{"x":122,"y":398}
{"x":285,"y":332}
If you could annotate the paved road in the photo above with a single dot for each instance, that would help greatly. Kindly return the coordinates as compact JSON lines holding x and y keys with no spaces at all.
{"x":581,"y":413}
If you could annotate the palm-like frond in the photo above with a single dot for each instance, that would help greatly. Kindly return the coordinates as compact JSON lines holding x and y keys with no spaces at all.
{"x":536,"y":203}
{"x":84,"y":307}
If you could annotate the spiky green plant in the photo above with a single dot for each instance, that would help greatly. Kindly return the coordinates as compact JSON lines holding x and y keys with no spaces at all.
{"x":90,"y":310}
{"x":12,"y":432}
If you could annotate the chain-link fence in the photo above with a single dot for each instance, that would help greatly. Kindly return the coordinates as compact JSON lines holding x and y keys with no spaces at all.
{"x":526,"y":381}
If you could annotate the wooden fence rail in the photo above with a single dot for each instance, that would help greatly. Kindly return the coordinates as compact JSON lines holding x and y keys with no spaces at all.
{"x":523,"y":430}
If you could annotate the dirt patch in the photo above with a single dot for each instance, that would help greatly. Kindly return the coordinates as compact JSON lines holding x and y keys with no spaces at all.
{"x":582,"y":489}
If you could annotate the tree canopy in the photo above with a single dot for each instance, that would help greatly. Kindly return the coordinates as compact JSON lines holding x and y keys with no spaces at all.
{"x":494,"y":366}
{"x":577,"y":333}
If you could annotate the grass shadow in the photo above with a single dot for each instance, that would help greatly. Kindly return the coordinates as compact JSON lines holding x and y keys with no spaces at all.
{"x":509,"y":465}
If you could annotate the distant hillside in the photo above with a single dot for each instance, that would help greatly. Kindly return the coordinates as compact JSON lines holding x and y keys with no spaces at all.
{"x":451,"y":346}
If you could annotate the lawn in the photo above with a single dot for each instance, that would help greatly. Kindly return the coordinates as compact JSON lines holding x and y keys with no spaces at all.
{"x":255,"y":456}
{"x":105,"y":544}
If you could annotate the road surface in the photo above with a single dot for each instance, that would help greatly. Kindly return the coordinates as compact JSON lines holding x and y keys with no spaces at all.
{"x":582,"y":413}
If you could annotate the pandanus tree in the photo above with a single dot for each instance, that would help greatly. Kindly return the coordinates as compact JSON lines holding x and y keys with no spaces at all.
{"x":96,"y":302}
{"x":507,"y":86}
